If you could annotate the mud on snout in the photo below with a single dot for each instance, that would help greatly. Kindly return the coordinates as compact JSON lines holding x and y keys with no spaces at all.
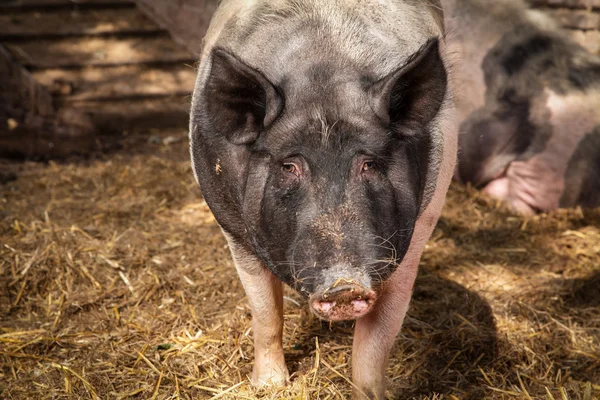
{"x":344,"y":294}
{"x":343,"y":270}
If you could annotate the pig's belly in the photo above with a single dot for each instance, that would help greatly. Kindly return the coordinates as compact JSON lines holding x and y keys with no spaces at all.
{"x":529,"y":186}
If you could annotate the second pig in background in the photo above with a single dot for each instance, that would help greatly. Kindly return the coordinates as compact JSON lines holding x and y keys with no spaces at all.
{"x":528,"y":102}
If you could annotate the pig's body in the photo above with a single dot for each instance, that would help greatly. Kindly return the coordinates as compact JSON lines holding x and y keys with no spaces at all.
{"x":323,"y":138}
{"x":528,"y":106}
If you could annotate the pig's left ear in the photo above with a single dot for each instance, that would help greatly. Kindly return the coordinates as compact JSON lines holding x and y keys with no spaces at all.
{"x":411,"y":96}
{"x":240,"y":100}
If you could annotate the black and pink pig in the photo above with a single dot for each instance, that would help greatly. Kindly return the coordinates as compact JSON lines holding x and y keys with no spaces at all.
{"x":323,"y":137}
{"x":528,"y":104}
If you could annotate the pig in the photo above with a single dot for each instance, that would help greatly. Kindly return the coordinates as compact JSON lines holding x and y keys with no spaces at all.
{"x":528,"y":109}
{"x":324,"y":140}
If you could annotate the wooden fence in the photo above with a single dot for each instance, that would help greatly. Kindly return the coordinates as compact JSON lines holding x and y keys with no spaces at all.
{"x":580,"y":17}
{"x":70,"y":68}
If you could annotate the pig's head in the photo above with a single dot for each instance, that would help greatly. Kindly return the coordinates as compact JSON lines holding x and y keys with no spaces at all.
{"x":322,"y":173}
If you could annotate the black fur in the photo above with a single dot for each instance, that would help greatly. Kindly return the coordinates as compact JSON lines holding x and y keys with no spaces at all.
{"x":507,"y":131}
{"x":519,"y":54}
{"x":243,"y":101}
{"x":537,"y":59}
{"x":584,"y":76}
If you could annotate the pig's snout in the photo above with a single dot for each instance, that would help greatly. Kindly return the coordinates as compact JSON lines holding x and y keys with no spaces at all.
{"x":344,"y":300}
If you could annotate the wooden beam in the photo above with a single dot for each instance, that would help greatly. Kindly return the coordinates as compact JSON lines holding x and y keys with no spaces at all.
{"x":576,"y":19}
{"x":82,"y":52}
{"x":588,"y":39}
{"x":26,"y":5}
{"x":141,"y":115}
{"x":186,"y":20}
{"x":20,"y":93}
{"x":60,"y":23}
{"x":108,"y":83}
{"x":586,"y":4}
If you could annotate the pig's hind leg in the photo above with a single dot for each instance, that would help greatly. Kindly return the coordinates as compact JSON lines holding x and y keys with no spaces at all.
{"x":529,"y":186}
{"x":265,"y":295}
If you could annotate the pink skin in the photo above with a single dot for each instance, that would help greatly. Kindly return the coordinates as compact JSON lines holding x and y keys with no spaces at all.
{"x":498,"y":188}
{"x":325,"y":309}
{"x":501,"y":189}
{"x":265,"y":294}
{"x":360,"y":306}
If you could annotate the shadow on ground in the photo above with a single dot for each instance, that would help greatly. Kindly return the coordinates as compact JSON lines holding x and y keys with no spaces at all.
{"x":450,"y":333}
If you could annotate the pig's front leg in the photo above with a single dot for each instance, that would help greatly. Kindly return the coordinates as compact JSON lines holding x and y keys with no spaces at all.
{"x":265,"y":295}
{"x":375,"y":334}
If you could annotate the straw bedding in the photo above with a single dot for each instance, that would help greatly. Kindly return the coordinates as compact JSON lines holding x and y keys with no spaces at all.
{"x":116,"y":283}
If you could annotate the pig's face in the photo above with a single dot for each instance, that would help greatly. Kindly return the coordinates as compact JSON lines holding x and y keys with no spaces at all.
{"x":325,"y":187}
{"x":336,"y":202}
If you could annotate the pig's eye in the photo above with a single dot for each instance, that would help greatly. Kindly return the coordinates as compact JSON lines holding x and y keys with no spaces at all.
{"x":291,"y":168}
{"x":368,"y":165}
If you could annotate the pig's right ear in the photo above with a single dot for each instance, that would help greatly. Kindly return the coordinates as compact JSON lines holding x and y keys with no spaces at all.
{"x":240,"y":100}
{"x":409,"y":98}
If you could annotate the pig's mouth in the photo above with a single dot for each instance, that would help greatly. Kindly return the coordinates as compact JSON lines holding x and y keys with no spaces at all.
{"x":346,"y":299}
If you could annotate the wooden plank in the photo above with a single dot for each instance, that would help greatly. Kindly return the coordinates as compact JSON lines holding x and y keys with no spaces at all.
{"x":57,"y":23}
{"x":587,"y":4}
{"x":576,"y":19}
{"x":80,"y":52}
{"x":186,"y":20}
{"x":52,"y":4}
{"x":117,"y":82}
{"x":588,"y":39}
{"x":136,"y":114}
{"x":29,"y":125}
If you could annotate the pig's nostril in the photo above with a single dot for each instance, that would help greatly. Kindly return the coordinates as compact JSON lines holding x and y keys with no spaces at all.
{"x":324,"y":306}
{"x":359,"y":305}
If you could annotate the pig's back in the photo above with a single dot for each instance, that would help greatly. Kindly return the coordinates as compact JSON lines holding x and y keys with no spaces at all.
{"x":374,"y":37}
{"x":474,"y":28}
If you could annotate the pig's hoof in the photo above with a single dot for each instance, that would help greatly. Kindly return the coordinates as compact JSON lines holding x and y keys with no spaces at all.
{"x":274,"y":376}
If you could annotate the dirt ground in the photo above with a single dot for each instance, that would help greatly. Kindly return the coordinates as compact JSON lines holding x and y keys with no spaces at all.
{"x":116,"y":283}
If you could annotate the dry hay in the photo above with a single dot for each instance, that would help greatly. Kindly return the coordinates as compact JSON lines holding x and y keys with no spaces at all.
{"x":117,"y":284}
